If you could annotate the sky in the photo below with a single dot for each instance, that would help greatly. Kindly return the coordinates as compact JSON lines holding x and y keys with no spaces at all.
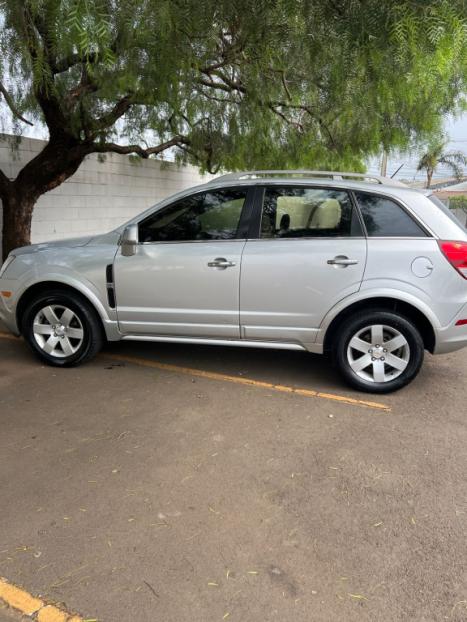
{"x":456,"y":131}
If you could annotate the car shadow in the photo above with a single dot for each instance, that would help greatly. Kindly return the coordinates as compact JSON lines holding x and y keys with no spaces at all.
{"x":289,"y":367}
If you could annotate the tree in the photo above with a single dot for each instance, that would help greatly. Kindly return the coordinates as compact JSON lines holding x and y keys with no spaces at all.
{"x":222,"y":83}
{"x":437,"y":156}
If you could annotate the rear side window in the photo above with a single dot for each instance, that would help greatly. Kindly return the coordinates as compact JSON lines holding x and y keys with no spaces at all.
{"x":385,"y":218}
{"x":298,"y":212}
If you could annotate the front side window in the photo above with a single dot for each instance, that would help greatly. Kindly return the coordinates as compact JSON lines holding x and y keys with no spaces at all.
{"x":298,"y":212}
{"x":213,"y":215}
{"x":385,"y":218}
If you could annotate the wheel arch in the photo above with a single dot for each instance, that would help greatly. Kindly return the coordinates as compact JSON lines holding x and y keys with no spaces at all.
{"x":42,"y":287}
{"x":386,"y":303}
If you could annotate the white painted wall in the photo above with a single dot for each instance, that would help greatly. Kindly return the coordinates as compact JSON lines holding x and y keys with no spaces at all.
{"x":100,"y":195}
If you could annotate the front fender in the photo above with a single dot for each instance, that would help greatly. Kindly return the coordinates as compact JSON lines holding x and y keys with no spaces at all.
{"x":82,"y":285}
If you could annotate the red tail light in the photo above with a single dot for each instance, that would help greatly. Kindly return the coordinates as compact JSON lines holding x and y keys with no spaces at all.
{"x":456,"y":254}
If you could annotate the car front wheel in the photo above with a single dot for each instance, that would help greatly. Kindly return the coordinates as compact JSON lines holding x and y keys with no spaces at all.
{"x":62,"y":329}
{"x":378,"y":351}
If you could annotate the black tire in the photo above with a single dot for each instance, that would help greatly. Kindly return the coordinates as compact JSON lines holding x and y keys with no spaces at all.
{"x":91,"y":341}
{"x":353,"y":325}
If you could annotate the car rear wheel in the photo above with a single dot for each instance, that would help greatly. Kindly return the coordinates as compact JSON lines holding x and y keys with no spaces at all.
{"x":378,"y":351}
{"x":62,"y":329}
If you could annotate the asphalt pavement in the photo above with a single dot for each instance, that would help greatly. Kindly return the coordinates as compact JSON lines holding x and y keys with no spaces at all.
{"x":134,"y":492}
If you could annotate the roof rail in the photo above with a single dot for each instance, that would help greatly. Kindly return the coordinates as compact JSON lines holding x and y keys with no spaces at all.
{"x":304,"y":173}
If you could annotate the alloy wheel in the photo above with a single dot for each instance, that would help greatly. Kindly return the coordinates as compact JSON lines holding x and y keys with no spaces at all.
{"x":58,"y":331}
{"x":378,"y":353}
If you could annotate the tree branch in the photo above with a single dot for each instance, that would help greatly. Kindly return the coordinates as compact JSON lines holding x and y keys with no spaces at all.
{"x":137,"y":149}
{"x":11,"y":105}
{"x":284,"y":84}
{"x":232,"y":84}
{"x":325,"y":127}
{"x":56,"y":66}
{"x":49,"y":103}
{"x":86,"y":85}
{"x":221,"y":100}
{"x":64,"y":64}
{"x":122,"y":106}
{"x":309,"y":111}
{"x":215,"y":85}
{"x":296,"y":124}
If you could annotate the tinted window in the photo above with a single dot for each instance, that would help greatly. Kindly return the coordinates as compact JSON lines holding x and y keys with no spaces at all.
{"x":295,"y":212}
{"x":207,"y":216}
{"x":385,"y":218}
{"x":445,"y":209}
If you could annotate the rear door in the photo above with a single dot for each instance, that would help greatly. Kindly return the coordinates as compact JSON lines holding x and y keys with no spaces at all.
{"x":309,"y":252}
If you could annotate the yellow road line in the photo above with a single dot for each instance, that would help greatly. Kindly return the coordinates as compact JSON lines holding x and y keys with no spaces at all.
{"x":8,"y":336}
{"x":248,"y":382}
{"x":200,"y":373}
{"x":28,"y":605}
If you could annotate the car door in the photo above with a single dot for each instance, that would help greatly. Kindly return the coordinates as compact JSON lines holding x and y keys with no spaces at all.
{"x":309,"y":252}
{"x":183,"y":279}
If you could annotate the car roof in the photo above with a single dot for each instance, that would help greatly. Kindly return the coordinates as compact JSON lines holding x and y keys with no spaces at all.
{"x":328,"y":179}
{"x":296,"y":174}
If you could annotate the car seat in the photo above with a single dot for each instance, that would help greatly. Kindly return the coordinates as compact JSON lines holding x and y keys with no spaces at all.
{"x":327,"y":215}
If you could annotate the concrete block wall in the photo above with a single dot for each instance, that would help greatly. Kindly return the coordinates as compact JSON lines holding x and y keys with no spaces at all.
{"x":101,"y":195}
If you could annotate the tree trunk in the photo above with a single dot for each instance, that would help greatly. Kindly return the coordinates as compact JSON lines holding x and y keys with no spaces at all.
{"x":429,"y":176}
{"x":58,"y":161}
{"x":17,"y":218}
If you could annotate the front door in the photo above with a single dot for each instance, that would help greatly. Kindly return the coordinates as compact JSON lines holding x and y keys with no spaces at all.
{"x":308,"y":254}
{"x":184,"y":278}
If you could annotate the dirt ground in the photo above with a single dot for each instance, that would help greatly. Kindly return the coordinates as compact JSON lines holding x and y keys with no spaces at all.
{"x":140,"y":494}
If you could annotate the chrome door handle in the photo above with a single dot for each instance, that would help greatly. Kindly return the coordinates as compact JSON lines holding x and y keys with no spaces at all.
{"x":342,"y":260}
{"x":221,"y":263}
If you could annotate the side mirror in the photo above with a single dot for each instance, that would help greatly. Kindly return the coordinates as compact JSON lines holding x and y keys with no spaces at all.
{"x":129,"y":240}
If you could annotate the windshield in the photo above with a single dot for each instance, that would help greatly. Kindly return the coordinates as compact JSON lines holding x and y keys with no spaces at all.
{"x":449,"y":213}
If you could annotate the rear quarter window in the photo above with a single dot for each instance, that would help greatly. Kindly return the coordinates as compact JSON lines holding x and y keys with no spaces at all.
{"x":385,"y":218}
{"x":445,"y":209}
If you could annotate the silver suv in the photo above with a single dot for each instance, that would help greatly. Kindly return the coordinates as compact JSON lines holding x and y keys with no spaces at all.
{"x":360,"y":267}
